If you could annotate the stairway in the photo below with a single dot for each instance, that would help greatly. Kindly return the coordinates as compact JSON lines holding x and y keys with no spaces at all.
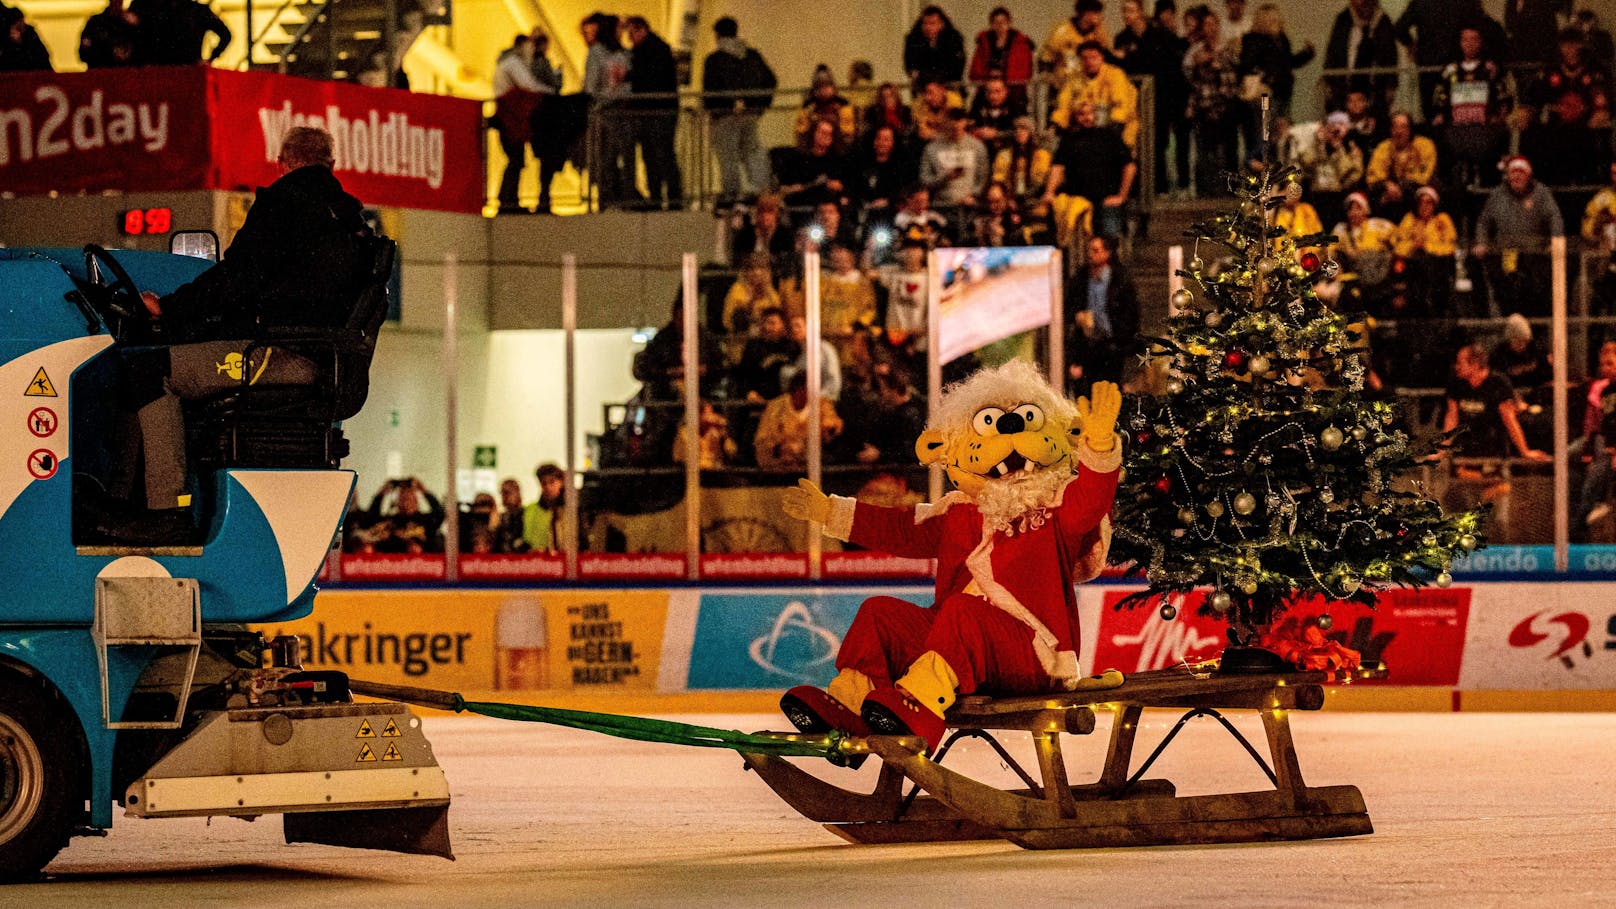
{"x":338,"y":39}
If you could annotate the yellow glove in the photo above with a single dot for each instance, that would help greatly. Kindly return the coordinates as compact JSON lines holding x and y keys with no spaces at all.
{"x":1099,"y":416}
{"x":806,"y":503}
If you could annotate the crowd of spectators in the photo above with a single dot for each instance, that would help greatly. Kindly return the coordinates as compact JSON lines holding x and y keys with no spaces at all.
{"x":404,"y":518}
{"x":134,"y":33}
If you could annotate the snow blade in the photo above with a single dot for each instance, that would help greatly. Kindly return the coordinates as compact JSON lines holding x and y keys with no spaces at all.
{"x":415,"y":831}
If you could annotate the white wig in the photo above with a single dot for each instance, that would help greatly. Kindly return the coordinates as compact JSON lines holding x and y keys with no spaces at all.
{"x":1016,"y":382}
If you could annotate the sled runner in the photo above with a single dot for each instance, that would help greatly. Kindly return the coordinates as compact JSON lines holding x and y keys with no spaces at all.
{"x":1118,"y":809}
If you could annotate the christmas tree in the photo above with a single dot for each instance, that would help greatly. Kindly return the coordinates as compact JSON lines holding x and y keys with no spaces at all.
{"x":1265,"y":472}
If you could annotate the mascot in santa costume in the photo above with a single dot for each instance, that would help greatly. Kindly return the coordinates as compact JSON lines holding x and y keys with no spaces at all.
{"x":1034,"y":478}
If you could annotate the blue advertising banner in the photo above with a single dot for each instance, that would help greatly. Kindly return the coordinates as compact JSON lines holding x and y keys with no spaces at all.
{"x":1537,"y":560}
{"x":766,"y":639}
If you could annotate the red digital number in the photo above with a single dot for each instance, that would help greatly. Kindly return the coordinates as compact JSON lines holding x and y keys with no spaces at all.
{"x":134,"y":222}
{"x":159,"y":220}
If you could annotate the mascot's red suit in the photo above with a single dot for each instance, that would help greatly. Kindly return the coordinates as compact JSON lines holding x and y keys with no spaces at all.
{"x":1035,"y":477}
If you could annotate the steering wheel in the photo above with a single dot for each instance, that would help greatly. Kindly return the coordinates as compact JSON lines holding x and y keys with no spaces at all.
{"x":122,"y":299}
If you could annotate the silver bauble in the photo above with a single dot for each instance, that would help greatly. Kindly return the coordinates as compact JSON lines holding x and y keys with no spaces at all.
{"x":1169,"y":612}
{"x":1182,"y":298}
{"x":1444,"y":580}
{"x":1259,"y":365}
{"x":1266,"y":265}
{"x":1467,"y":542}
{"x":1221,"y":601}
{"x":1325,"y":622}
{"x":1331,"y":438}
{"x":1214,"y":508}
{"x":1245,"y":503}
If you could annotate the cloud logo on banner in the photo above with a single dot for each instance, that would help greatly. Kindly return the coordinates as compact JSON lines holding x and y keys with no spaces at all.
{"x":796,"y":647}
{"x":1526,"y":634}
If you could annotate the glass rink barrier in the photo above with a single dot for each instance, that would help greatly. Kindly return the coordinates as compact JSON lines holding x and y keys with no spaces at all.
{"x":683,"y":437}
{"x":592,"y":456}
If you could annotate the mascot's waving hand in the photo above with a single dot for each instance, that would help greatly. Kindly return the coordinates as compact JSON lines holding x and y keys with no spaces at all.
{"x":1035,"y":477}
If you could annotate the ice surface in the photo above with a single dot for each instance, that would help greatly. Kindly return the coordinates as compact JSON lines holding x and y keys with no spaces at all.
{"x":1469,"y":809}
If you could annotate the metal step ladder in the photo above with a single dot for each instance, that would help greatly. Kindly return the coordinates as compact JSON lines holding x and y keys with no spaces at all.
{"x":157,"y":615}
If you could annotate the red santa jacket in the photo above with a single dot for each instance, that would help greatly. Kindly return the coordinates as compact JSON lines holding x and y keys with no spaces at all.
{"x":1017,"y":568}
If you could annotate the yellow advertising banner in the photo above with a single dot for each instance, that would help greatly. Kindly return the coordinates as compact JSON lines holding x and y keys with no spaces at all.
{"x":483,"y":640}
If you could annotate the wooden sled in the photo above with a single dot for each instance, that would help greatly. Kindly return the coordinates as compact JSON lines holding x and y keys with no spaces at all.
{"x":1118,"y":809}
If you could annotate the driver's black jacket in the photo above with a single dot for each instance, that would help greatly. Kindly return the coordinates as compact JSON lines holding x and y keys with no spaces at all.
{"x":294,"y":263}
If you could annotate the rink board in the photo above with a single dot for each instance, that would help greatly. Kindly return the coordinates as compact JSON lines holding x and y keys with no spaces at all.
{"x":658,"y":642}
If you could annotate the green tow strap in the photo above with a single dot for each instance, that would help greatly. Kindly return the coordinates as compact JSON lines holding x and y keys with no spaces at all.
{"x":641,"y":729}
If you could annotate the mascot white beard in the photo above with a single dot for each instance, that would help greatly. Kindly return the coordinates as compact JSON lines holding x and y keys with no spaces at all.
{"x":1012,"y":503}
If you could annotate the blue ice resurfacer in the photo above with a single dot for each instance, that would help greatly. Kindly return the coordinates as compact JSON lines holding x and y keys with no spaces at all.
{"x":128,"y":674}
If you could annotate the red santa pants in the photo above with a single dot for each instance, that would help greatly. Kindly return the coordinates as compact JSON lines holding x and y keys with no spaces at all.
{"x":987,"y":648}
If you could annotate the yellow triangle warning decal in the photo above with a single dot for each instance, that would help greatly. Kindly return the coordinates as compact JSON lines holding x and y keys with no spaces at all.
{"x":390,"y":731}
{"x":365,"y":732}
{"x":391,"y":754}
{"x":366,"y":756}
{"x":41,"y":386}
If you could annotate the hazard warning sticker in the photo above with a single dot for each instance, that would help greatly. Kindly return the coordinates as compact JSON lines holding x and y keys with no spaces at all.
{"x":390,"y":731}
{"x":365,"y":732}
{"x":42,"y":422}
{"x":391,"y":754}
{"x":41,"y":386}
{"x":42,"y":464}
{"x":366,"y":756}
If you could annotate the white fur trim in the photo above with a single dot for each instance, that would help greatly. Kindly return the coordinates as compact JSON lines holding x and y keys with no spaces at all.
{"x":1058,"y":665}
{"x":1102,"y":461}
{"x":925,"y":511}
{"x":839,"y":525}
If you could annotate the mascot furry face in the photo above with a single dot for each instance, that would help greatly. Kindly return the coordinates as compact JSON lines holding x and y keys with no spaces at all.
{"x":1003,"y":429}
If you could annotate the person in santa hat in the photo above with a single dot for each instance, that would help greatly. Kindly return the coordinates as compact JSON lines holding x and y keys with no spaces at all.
{"x":1035,"y":477}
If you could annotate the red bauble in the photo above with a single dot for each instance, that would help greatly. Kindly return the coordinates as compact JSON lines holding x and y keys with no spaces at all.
{"x":1164,"y":485}
{"x":1235,"y":360}
{"x":1310,"y":261}
{"x":1143,"y":436}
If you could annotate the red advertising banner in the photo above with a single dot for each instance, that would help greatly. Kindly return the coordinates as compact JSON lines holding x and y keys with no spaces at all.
{"x":479,"y":566}
{"x":1418,"y":634}
{"x":375,"y":566}
{"x":195,"y":128}
{"x":876,"y":565}
{"x":72,"y":132}
{"x":393,"y":148}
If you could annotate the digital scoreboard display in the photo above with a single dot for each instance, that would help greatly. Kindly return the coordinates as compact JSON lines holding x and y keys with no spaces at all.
{"x":138,"y":222}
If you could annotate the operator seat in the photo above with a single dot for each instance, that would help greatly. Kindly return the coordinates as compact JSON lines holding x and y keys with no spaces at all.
{"x":296,"y":426}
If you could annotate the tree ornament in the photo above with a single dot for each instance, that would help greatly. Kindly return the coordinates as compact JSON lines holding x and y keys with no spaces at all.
{"x":1213,"y":319}
{"x":1175,"y":387}
{"x":1186,"y":515}
{"x":1293,"y":191}
{"x":1444,"y":580}
{"x":1310,"y":261}
{"x":1266,"y":265}
{"x":1245,"y":503}
{"x":1164,"y":485}
{"x":1182,"y":298}
{"x":1358,"y":433}
{"x":1260,"y":365}
{"x":1221,"y":601}
{"x":1325,"y":622}
{"x":1235,"y":360}
{"x":1214,"y":508}
{"x":1326,"y":495}
{"x":1467,"y":542}
{"x":1248,"y":586}
{"x":1197,"y":266}
{"x":1293,"y":377}
{"x":1330,"y":438}
{"x":1169,"y":612}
